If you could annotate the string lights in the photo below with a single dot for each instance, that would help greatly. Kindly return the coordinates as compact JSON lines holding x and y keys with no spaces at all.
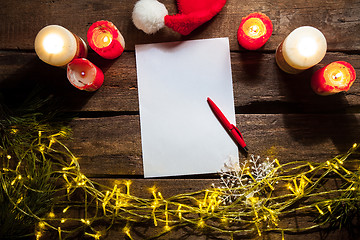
{"x":245,"y":200}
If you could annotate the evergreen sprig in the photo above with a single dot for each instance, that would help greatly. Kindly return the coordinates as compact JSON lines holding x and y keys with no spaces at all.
{"x":26,"y":176}
{"x":42,"y":185}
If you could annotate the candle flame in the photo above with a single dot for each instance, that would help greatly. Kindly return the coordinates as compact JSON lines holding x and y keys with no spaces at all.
{"x":53,"y":43}
{"x":254,"y":28}
{"x":337,"y":75}
{"x":102,"y":37}
{"x":307,"y":47}
{"x":106,"y":39}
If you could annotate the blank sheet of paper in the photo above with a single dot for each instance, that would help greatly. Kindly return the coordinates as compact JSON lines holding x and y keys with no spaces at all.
{"x":180,"y":134}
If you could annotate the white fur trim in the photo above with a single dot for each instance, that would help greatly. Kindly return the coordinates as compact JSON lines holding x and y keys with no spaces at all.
{"x":148,"y":15}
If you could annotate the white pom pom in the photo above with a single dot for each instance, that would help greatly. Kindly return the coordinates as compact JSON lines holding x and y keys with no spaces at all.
{"x":148,"y":15}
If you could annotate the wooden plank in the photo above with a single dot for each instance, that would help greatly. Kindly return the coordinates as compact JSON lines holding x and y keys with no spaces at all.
{"x":338,"y":20}
{"x":259,"y":85}
{"x":173,"y":187}
{"x":112,"y":145}
{"x":278,"y":113}
{"x":167,"y":187}
{"x":170,"y":188}
{"x":188,"y":234}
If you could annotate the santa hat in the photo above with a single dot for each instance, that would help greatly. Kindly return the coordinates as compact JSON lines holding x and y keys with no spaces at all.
{"x":151,"y":15}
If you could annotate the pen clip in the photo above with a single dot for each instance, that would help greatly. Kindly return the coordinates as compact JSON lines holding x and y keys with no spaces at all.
{"x":237,"y":130}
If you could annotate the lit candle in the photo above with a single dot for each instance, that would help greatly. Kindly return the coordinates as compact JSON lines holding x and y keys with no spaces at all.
{"x":254,"y":30}
{"x":336,"y":77}
{"x":58,"y":46}
{"x":84,"y":75}
{"x":302,"y":48}
{"x":105,"y":39}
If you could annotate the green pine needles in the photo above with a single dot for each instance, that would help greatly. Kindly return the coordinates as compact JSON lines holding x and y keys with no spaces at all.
{"x":27,"y":180}
{"x":42,"y":186}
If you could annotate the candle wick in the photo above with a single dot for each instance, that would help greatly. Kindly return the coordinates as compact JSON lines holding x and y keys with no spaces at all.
{"x":336,"y":76}
{"x":81,"y":82}
{"x":254,"y":29}
{"x":82,"y":73}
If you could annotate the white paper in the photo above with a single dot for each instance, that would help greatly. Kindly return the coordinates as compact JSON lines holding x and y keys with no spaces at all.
{"x":179,"y":132}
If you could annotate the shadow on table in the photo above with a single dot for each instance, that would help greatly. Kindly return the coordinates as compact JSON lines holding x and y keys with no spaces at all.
{"x":36,"y":79}
{"x":253,"y":71}
{"x":321,"y":117}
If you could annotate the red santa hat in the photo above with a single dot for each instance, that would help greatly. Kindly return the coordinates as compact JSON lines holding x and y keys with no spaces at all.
{"x":151,"y":15}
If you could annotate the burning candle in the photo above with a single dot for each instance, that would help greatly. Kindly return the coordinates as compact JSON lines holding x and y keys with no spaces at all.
{"x":105,"y":39}
{"x":336,"y":77}
{"x":254,"y":30}
{"x":302,"y":48}
{"x":58,"y":46}
{"x":84,"y":75}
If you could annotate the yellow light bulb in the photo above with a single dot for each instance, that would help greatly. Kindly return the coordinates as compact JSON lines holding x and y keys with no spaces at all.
{"x":201,"y":223}
{"x":38,"y":235}
{"x":41,"y":225}
{"x":97,"y":236}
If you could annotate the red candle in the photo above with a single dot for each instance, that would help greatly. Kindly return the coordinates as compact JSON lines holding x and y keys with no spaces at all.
{"x":84,"y":75}
{"x":254,"y":30}
{"x":105,"y":39}
{"x":333,"y":78}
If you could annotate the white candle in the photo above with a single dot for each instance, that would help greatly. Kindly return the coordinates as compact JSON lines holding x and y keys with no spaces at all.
{"x":58,"y":46}
{"x":302,"y":48}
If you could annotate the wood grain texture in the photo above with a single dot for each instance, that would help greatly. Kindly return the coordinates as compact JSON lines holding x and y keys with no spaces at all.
{"x":112,"y":145}
{"x":259,"y":85}
{"x":338,"y":20}
{"x":188,"y":234}
{"x":278,"y":113}
{"x":172,"y":187}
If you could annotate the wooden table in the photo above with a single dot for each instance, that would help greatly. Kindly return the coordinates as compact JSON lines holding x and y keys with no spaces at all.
{"x":278,"y":113}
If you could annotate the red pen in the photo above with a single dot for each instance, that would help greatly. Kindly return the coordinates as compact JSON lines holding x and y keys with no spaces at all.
{"x":230,"y":128}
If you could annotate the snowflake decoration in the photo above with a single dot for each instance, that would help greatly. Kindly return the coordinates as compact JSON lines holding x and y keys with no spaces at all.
{"x":237,"y":179}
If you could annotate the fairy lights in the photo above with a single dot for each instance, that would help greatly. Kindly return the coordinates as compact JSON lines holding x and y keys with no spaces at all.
{"x":241,"y":202}
{"x":65,"y":209}
{"x":320,"y":211}
{"x":127,"y":230}
{"x":128,"y":183}
{"x":96,"y":236}
{"x":41,"y":225}
{"x":38,"y":235}
{"x":14,"y":131}
{"x":179,"y":212}
{"x":201,"y":223}
{"x":85,"y":221}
